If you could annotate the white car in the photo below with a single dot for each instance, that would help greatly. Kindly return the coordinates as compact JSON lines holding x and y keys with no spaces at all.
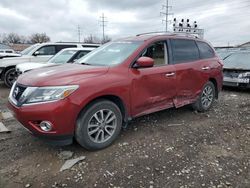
{"x":35,"y":53}
{"x":67,"y":55}
{"x":4,"y":53}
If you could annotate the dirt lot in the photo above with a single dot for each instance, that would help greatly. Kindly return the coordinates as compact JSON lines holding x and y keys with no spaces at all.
{"x":172,"y":148}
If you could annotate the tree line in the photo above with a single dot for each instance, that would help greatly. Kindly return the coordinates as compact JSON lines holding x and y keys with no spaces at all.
{"x":14,"y":38}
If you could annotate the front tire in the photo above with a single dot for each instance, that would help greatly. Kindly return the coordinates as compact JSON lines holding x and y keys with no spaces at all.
{"x":98,"y":125}
{"x":206,"y":98}
{"x":10,"y":77}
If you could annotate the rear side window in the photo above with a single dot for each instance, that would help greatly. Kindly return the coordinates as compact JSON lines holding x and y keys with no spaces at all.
{"x":60,"y":47}
{"x":205,"y":50}
{"x":184,"y":50}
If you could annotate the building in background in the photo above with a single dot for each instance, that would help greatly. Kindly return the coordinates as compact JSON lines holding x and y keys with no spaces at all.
{"x":19,"y":47}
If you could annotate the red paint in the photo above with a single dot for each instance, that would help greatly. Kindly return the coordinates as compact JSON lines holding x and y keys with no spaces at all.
{"x":142,"y":90}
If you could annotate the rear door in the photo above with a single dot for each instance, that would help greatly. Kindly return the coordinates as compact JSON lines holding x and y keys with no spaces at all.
{"x":153,"y":88}
{"x":190,"y":70}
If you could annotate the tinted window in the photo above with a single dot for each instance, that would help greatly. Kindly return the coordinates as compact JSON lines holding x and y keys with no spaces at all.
{"x":60,"y":47}
{"x":47,"y":50}
{"x":184,"y":50}
{"x":81,"y":54}
{"x":205,"y":50}
{"x":156,"y":52}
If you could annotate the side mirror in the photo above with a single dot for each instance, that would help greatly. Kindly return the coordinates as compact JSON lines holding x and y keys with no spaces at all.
{"x":36,"y":53}
{"x":144,"y":62}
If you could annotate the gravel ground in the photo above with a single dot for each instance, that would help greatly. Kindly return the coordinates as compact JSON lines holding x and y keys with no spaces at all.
{"x":172,"y":148}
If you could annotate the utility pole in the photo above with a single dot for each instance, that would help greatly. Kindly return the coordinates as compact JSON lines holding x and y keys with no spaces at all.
{"x":103,"y":25}
{"x":79,"y":33}
{"x":166,"y":13}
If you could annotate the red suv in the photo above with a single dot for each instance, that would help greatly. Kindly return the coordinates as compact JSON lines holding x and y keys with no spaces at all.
{"x":91,"y":99}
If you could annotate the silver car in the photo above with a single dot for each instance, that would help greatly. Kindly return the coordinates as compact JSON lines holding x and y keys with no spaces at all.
{"x":237,"y":70}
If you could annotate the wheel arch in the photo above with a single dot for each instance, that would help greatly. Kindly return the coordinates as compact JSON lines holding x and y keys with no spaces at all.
{"x":113,"y":98}
{"x":5,"y":70}
{"x":213,"y":80}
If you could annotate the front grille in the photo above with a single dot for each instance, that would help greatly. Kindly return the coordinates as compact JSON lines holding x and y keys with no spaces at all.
{"x":231,"y":74}
{"x":18,"y":91}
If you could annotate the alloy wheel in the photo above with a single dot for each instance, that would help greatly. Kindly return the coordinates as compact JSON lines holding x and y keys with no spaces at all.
{"x":102,"y":125}
{"x":207,"y":96}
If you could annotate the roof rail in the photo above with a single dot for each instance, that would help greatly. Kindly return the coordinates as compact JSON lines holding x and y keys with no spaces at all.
{"x":184,"y":34}
{"x":77,"y":43}
{"x":154,"y":32}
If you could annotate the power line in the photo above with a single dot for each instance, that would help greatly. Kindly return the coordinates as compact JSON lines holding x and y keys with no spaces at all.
{"x":103,"y":25}
{"x":166,"y":13}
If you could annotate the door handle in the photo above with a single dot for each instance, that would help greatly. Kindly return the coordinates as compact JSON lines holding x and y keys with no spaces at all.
{"x":205,"y":68}
{"x":170,"y":74}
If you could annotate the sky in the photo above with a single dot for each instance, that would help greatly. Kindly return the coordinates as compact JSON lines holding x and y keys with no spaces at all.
{"x":225,"y":22}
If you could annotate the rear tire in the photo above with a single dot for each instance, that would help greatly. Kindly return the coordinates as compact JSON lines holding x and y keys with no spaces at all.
{"x":98,"y":125}
{"x":206,"y":98}
{"x":10,"y":77}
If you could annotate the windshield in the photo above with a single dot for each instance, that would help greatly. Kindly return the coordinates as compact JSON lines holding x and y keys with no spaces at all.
{"x":224,"y":54}
{"x":62,"y":56}
{"x":239,"y":60}
{"x":112,"y":53}
{"x":29,"y":49}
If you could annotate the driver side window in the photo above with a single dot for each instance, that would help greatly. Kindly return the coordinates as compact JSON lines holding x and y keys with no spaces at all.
{"x":156,"y":52}
{"x":47,"y":50}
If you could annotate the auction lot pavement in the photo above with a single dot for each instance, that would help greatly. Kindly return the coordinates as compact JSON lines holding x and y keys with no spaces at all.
{"x":171,"y":148}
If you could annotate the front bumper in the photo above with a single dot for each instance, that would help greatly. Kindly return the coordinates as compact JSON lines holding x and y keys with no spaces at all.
{"x":62,"y":115}
{"x":236,"y":82}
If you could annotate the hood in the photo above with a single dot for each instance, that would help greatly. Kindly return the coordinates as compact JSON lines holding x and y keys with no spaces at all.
{"x":23,"y":67}
{"x":13,"y":61}
{"x":60,"y":75}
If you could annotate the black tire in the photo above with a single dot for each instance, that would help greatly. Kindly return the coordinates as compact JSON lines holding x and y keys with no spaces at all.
{"x":10,"y":77}
{"x":87,"y":115}
{"x":199,"y":104}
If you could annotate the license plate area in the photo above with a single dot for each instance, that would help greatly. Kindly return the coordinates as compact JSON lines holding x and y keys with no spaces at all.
{"x":236,"y":80}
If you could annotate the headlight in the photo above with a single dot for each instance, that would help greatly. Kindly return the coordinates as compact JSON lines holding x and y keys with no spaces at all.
{"x":243,"y":75}
{"x":45,"y":94}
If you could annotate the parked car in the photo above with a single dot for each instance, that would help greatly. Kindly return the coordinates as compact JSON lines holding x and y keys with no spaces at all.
{"x":90,"y":100}
{"x":35,"y":53}
{"x":67,"y":55}
{"x":237,"y":70}
{"x":5,"y":53}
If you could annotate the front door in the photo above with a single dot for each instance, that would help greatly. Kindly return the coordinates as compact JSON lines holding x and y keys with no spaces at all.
{"x":153,"y":88}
